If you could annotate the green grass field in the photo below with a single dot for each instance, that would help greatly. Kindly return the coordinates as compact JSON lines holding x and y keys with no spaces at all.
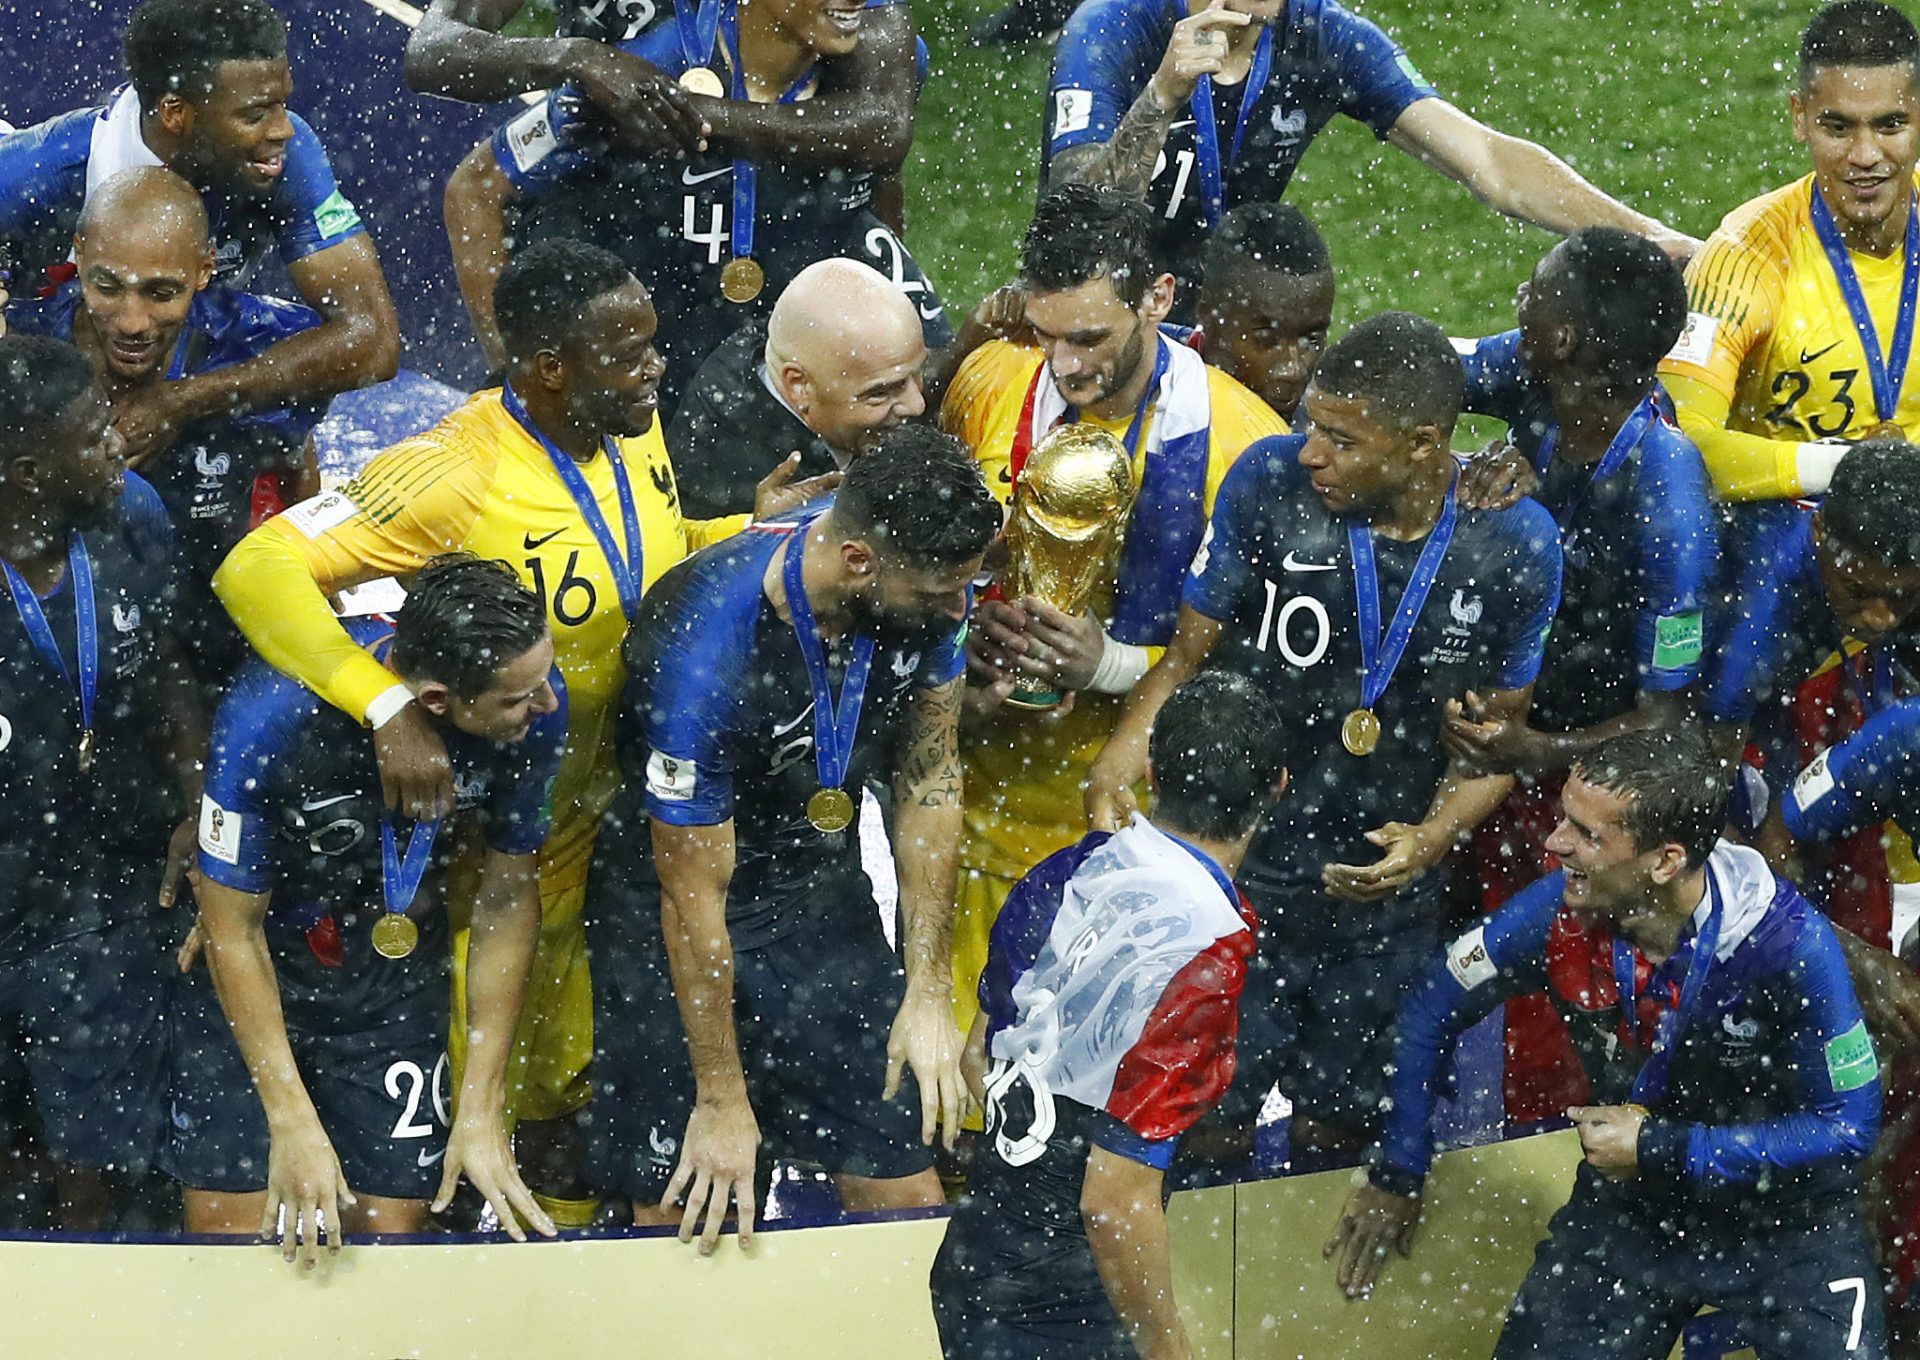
{"x":1679,"y":109}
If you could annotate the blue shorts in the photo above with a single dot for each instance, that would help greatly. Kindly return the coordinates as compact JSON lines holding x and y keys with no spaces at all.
{"x":812,"y":1009}
{"x":1611,"y":1282}
{"x":93,"y":1010}
{"x":370,"y":1042}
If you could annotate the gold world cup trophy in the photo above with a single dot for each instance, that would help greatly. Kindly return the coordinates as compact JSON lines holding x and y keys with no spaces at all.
{"x":1068,"y":521}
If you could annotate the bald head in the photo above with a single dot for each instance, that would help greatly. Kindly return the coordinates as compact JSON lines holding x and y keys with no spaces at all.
{"x":143,"y":251}
{"x":845,"y":348}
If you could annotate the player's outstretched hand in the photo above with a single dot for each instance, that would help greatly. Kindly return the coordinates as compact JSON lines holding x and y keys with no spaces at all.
{"x":306,"y":1194}
{"x":716,"y":1163}
{"x":778,"y":494}
{"x":1610,"y":1136}
{"x":1496,"y":477}
{"x":416,"y":778}
{"x":1410,"y":852}
{"x":1374,"y":1224}
{"x":1110,"y":800}
{"x":478,"y":1148}
{"x":925,"y":1039}
{"x":649,"y":111}
{"x":1198,"y":48}
{"x":1000,"y":315}
{"x":181,"y":847}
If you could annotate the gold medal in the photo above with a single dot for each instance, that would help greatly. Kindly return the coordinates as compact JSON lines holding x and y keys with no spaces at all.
{"x":86,"y":749}
{"x":395,"y":935}
{"x":1886,"y":429}
{"x":830,"y":810}
{"x":742,"y":280}
{"x":702,"y":80}
{"x":1360,"y":733}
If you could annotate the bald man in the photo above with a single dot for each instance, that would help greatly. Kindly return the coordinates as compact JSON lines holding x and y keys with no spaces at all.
{"x":836,"y":366}
{"x":141,"y":307}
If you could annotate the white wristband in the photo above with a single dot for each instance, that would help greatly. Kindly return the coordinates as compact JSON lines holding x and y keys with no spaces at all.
{"x":1814,"y":465}
{"x":1121,"y":666}
{"x":386,"y":705}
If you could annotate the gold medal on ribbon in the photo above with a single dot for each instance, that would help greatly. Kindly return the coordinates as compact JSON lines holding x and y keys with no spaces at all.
{"x":395,"y":935}
{"x":1886,"y":429}
{"x":86,"y":749}
{"x":702,"y":80}
{"x":830,"y":810}
{"x":742,"y":279}
{"x":1360,"y":733}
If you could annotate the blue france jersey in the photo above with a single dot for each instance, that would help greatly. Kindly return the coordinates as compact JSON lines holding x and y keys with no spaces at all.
{"x":1871,"y":777}
{"x":719,"y":723}
{"x":1641,"y":550}
{"x":293,"y":804}
{"x":1275,"y":570}
{"x":53,"y":817}
{"x":1326,"y":60}
{"x":43,"y":186}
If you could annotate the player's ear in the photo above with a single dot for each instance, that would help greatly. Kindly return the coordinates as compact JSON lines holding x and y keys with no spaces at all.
{"x":205,"y":275}
{"x":1669,"y":863}
{"x":857,"y":557}
{"x":1430,"y":441}
{"x":1159,"y":299}
{"x":176,"y":114}
{"x":798,"y":387}
{"x":1799,"y":111}
{"x":434,"y":697}
{"x":550,"y":370}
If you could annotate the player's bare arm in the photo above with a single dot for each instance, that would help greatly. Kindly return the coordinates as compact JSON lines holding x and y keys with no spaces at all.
{"x":458,"y":51}
{"x":476,"y":200}
{"x":1126,"y":160}
{"x":356,"y":343}
{"x":1519,"y":178}
{"x":927,"y":826}
{"x":304,"y":1177}
{"x":506,"y":929}
{"x":1492,"y":745}
{"x":1123,"y":762}
{"x":182,"y":741}
{"x":723,"y":1138}
{"x":1120,"y":1203}
{"x":1464,"y":799}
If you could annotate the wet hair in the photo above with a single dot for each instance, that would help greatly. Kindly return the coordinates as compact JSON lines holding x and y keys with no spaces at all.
{"x":1402,"y":365}
{"x":1631,"y":300}
{"x":1873,"y":503}
{"x":545,"y":289}
{"x":40,"y":379}
{"x":1857,"y":33}
{"x":1218,"y":747}
{"x":1084,"y":231}
{"x":1266,"y":236}
{"x":918,"y":497}
{"x":1674,"y":783}
{"x":464,"y":618}
{"x":178,"y":46}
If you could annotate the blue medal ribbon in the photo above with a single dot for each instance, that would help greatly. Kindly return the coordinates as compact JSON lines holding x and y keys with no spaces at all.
{"x":1888,"y":371}
{"x":835,"y":726}
{"x":1651,"y":1081}
{"x":697,"y":30}
{"x":1206,"y":133}
{"x":627,"y":567}
{"x":86,"y":627}
{"x":1379,"y":657}
{"x":744,"y":171}
{"x":400,"y":879}
{"x":1624,"y":442}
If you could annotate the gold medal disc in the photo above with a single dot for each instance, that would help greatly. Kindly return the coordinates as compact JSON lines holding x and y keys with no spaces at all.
{"x":1886,"y":429}
{"x":1360,"y":732}
{"x":702,"y":80}
{"x":830,"y":810}
{"x":742,"y":280}
{"x":395,"y":936}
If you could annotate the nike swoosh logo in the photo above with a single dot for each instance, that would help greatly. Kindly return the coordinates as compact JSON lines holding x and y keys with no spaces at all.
{"x":427,"y":1159}
{"x":315,"y":804}
{"x":532,"y":542}
{"x":1806,"y":358}
{"x":1292,"y":563}
{"x":688,"y":177}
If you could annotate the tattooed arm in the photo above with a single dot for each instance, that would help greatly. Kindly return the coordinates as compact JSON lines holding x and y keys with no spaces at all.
{"x":926,"y":838}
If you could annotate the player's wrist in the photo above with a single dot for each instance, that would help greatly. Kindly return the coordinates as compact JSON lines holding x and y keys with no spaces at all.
{"x":387,"y":705}
{"x":1814,"y":465}
{"x":1162,"y":98}
{"x":1121,"y":666}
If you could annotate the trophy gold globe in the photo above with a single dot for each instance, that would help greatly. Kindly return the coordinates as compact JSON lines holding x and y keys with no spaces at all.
{"x":1065,"y":530}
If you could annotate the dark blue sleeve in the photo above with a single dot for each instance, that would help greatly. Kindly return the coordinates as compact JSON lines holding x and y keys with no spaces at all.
{"x":1106,"y":55}
{"x":1839,"y":1074}
{"x":253,"y":733}
{"x":1751,"y":632}
{"x":1534,"y":581}
{"x":316,"y":214}
{"x":43,"y":182}
{"x":1378,"y":81}
{"x":1870,"y":777}
{"x":1496,"y":379}
{"x":520,"y":806}
{"x":1222,"y":573}
{"x":1679,"y":559}
{"x":150,"y":534}
{"x":1122,"y":1141}
{"x":541,"y":148}
{"x":1504,"y":956}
